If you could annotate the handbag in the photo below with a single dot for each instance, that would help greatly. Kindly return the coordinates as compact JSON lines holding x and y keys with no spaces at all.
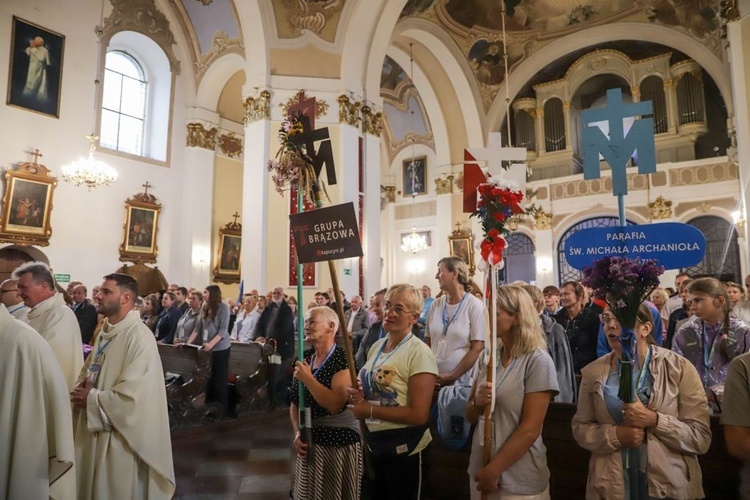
{"x":394,"y":442}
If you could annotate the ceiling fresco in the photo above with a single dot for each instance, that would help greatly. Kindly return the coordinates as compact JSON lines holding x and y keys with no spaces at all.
{"x":207,"y":21}
{"x":294,"y":18}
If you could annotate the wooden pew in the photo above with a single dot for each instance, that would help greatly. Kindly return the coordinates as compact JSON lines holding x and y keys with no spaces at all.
{"x":186,"y":394}
{"x":248,"y":366}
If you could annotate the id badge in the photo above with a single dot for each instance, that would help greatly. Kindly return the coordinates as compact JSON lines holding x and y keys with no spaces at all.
{"x":374,"y":421}
{"x":92,"y":374}
{"x":442,"y":348}
{"x":205,"y":335}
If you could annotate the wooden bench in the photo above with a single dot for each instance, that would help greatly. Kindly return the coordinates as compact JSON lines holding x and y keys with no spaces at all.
{"x":186,"y":392}
{"x":568,"y":462}
{"x":249,"y":368}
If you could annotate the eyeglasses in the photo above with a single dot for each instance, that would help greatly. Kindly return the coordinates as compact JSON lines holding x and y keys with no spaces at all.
{"x":399,"y":310}
{"x":10,"y":290}
{"x":606,"y":318}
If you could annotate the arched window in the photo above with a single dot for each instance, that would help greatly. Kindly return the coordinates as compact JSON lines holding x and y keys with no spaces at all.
{"x":722,"y":259}
{"x":564,"y":271}
{"x":123,"y":104}
{"x":136,"y":97}
{"x":652,"y":89}
{"x":520,"y":264}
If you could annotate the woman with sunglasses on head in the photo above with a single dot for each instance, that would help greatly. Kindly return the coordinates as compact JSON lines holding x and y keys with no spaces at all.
{"x":397,"y":380}
{"x":525,"y":383}
{"x":659,"y":436}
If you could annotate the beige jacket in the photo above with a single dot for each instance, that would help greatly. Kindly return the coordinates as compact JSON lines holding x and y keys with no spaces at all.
{"x":683,"y":430}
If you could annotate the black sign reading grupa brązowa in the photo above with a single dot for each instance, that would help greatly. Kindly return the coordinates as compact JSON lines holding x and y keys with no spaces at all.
{"x":326,"y":234}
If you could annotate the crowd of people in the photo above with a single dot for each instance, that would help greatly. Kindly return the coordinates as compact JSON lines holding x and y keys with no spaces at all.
{"x":419,"y":360}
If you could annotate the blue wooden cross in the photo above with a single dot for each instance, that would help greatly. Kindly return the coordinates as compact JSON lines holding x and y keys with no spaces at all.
{"x":618,"y":148}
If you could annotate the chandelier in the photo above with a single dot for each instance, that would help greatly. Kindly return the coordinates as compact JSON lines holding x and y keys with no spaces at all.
{"x":413,"y":243}
{"x":89,"y":171}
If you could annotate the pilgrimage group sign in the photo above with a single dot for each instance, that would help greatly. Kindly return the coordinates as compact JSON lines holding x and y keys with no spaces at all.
{"x":671,"y":244}
{"x":326,"y":233}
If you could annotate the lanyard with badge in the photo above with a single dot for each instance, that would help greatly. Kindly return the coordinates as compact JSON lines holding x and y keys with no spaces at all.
{"x":708,"y":354}
{"x":92,"y":374}
{"x":374,"y":370}
{"x":442,"y":345}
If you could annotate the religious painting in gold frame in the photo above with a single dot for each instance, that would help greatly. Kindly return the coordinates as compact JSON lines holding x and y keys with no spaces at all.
{"x":228,"y":257}
{"x":27,"y":204}
{"x":461,"y":244}
{"x":141,"y":228}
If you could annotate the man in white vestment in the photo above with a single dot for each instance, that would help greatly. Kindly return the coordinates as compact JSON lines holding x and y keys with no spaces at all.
{"x":36,"y":432}
{"x":51,"y":317}
{"x":36,"y":77}
{"x":122,"y":443}
{"x":12,"y":301}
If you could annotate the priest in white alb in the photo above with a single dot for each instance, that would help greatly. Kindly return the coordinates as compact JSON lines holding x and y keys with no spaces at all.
{"x":51,"y":317}
{"x":122,"y":442}
{"x":36,"y":432}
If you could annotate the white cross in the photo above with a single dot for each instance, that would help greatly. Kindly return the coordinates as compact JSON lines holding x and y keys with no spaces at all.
{"x":494,"y":154}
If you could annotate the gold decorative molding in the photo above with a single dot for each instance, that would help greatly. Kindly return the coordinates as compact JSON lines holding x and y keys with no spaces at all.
{"x":460,"y":181}
{"x":371,"y":122}
{"x":199,"y":137}
{"x":542,"y":219}
{"x":703,"y":174}
{"x":144,"y":17}
{"x":349,"y":111}
{"x":258,"y":108}
{"x":390,"y":193}
{"x":661,"y":209}
{"x":321,"y":107}
{"x":444,"y":186}
{"x":230,"y":145}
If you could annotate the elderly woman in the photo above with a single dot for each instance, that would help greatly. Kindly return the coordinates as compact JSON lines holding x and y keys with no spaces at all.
{"x":335,"y":470}
{"x":457,"y":324}
{"x":525,"y":383}
{"x":398,"y":381}
{"x":661,"y":434}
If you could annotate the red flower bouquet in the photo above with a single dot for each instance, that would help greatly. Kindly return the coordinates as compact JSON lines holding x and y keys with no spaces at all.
{"x":498,"y":200}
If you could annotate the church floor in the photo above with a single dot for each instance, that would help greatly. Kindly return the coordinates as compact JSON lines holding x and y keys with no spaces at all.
{"x":248,"y":457}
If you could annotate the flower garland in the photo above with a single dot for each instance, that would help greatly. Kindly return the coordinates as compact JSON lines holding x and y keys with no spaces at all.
{"x":498,"y":200}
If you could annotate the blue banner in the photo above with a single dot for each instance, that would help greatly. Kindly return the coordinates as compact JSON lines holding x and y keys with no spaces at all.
{"x":672,"y":244}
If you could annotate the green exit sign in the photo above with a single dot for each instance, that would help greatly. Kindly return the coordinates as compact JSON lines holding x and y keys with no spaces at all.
{"x":347,"y":272}
{"x":65,"y":278}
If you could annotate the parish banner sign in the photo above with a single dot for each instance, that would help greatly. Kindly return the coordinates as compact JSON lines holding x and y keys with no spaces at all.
{"x":326,"y":234}
{"x":671,"y":244}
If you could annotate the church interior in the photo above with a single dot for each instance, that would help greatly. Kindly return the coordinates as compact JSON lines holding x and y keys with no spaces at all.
{"x":185,"y":99}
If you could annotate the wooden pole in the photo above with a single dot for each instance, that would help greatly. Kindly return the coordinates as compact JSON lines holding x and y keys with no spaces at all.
{"x":491,"y":361}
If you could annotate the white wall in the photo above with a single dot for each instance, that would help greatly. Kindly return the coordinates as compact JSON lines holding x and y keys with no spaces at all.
{"x":87,"y":227}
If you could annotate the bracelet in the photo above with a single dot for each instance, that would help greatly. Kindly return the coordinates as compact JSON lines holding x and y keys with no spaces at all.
{"x":371,"y":408}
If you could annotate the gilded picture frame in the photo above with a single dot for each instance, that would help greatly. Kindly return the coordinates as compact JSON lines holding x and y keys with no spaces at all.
{"x":141,"y":228}
{"x":27,"y":205}
{"x":461,"y":244}
{"x":35,"y":74}
{"x":228,"y":267}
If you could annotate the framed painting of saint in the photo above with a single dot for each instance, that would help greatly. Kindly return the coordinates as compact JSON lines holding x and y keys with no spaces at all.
{"x":141,"y":228}
{"x":228,"y":261}
{"x":36,"y":62}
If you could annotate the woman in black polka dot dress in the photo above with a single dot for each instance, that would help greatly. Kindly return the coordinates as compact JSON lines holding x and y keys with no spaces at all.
{"x":335,"y":469}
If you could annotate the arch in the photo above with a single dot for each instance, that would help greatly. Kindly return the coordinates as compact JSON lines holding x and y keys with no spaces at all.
{"x":367,"y":39}
{"x":611,"y":32}
{"x":13,"y":256}
{"x":722,"y":259}
{"x":564,"y":271}
{"x":216,"y":77}
{"x":519,"y":258}
{"x":621,"y":65}
{"x":253,"y":25}
{"x":455,"y":66}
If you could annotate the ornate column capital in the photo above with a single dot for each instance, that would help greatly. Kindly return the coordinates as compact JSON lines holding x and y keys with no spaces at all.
{"x":661,"y":209}
{"x":257,"y":108}
{"x":542,"y":220}
{"x":200,"y":137}
{"x":349,"y":111}
{"x":371,"y":122}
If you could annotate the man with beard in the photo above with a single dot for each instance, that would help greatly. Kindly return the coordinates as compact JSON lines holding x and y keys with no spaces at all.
{"x":120,"y":416}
